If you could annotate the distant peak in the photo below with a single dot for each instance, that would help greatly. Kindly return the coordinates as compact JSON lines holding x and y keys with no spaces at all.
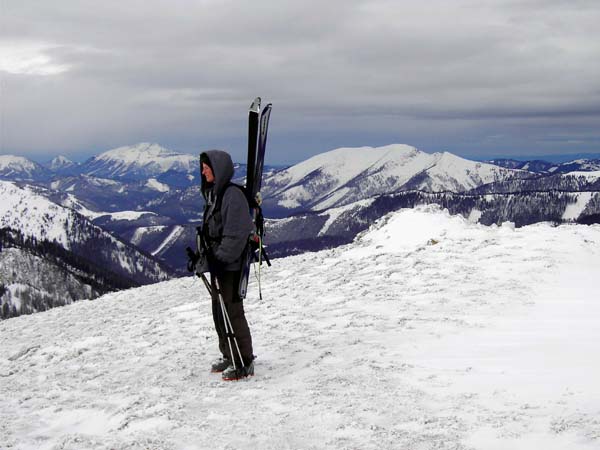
{"x":60,"y":162}
{"x":61,"y":159}
{"x":145,"y":148}
{"x":14,"y":162}
{"x":14,"y":159}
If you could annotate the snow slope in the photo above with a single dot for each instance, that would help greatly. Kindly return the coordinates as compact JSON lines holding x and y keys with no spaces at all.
{"x":590,"y":175}
{"x":170,"y":239}
{"x":428,"y":332}
{"x":26,"y":210}
{"x":23,"y":209}
{"x":456,"y":174}
{"x":574,"y":210}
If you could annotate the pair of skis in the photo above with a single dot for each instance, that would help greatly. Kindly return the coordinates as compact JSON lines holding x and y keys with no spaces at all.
{"x":258,"y":125}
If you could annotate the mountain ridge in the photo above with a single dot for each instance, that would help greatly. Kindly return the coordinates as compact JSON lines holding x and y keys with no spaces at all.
{"x":346,"y":175}
{"x":136,"y":203}
{"x":139,"y":161}
{"x":38,"y":219}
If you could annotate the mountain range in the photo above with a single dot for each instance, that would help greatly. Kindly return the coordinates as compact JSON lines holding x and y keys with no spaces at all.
{"x":347,"y":175}
{"x":149,"y":197}
{"x":545,"y":167}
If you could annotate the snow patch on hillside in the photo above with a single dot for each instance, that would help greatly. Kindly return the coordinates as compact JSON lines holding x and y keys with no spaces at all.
{"x":141,"y":232}
{"x":574,"y":210}
{"x":170,"y":239}
{"x":334,"y":213}
{"x":128,"y":215}
{"x":153,"y":183}
{"x":591,"y":176}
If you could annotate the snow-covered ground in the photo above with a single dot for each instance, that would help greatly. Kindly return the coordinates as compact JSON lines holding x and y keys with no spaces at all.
{"x":428,"y":332}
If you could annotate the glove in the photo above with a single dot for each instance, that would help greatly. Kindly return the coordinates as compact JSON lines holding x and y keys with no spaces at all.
{"x":193,"y":258}
{"x":197,"y":262}
{"x":202,"y":265}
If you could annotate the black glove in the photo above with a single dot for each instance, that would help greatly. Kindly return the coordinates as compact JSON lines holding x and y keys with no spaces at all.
{"x":193,"y":258}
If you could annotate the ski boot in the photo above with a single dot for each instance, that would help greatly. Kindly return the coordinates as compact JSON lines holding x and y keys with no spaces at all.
{"x":220,"y":365}
{"x":233,"y":374}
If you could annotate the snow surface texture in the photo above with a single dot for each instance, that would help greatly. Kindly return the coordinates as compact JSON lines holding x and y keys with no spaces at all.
{"x":428,"y":332}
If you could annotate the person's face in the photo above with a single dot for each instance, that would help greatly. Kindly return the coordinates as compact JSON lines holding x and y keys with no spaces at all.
{"x":208,"y":173}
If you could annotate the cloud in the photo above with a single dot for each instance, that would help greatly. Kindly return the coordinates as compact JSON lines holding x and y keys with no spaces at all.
{"x":440,"y":75}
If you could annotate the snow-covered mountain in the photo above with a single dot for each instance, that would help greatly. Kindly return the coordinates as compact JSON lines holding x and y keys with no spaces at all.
{"x":39,"y":220}
{"x":60,"y":162}
{"x":538,"y":166}
{"x":105,"y":195}
{"x":331,"y":196}
{"x":578,"y":165}
{"x":346,"y":175}
{"x":427,"y":332}
{"x":141,"y":161}
{"x":62,"y":166}
{"x":335,"y":226}
{"x":20,"y":168}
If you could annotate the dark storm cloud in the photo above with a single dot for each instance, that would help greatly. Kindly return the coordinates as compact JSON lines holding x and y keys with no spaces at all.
{"x":465,"y":76}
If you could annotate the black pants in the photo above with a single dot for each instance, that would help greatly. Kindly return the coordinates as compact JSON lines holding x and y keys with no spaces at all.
{"x":229,"y":284}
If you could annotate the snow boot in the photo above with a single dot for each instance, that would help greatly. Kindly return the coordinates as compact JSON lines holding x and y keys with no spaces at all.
{"x":220,"y":365}
{"x":232,"y":374}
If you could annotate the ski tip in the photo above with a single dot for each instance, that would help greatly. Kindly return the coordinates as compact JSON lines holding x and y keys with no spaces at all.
{"x":255,"y":106}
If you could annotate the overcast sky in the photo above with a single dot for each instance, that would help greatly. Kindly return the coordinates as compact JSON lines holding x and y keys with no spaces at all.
{"x":474,"y":77}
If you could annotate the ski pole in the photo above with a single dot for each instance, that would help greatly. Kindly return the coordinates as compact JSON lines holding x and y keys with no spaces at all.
{"x":226,"y":320}
{"x":228,"y":327}
{"x":206,"y":283}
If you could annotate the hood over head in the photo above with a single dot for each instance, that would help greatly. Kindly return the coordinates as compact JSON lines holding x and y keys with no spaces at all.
{"x":222,"y":167}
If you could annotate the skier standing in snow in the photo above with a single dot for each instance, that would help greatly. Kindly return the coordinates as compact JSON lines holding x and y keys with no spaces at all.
{"x":226,"y":228}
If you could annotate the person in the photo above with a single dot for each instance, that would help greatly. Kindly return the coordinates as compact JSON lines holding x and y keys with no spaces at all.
{"x":227,"y":226}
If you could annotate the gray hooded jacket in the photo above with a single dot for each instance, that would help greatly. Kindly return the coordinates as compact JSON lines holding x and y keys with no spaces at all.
{"x":227,"y":222}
